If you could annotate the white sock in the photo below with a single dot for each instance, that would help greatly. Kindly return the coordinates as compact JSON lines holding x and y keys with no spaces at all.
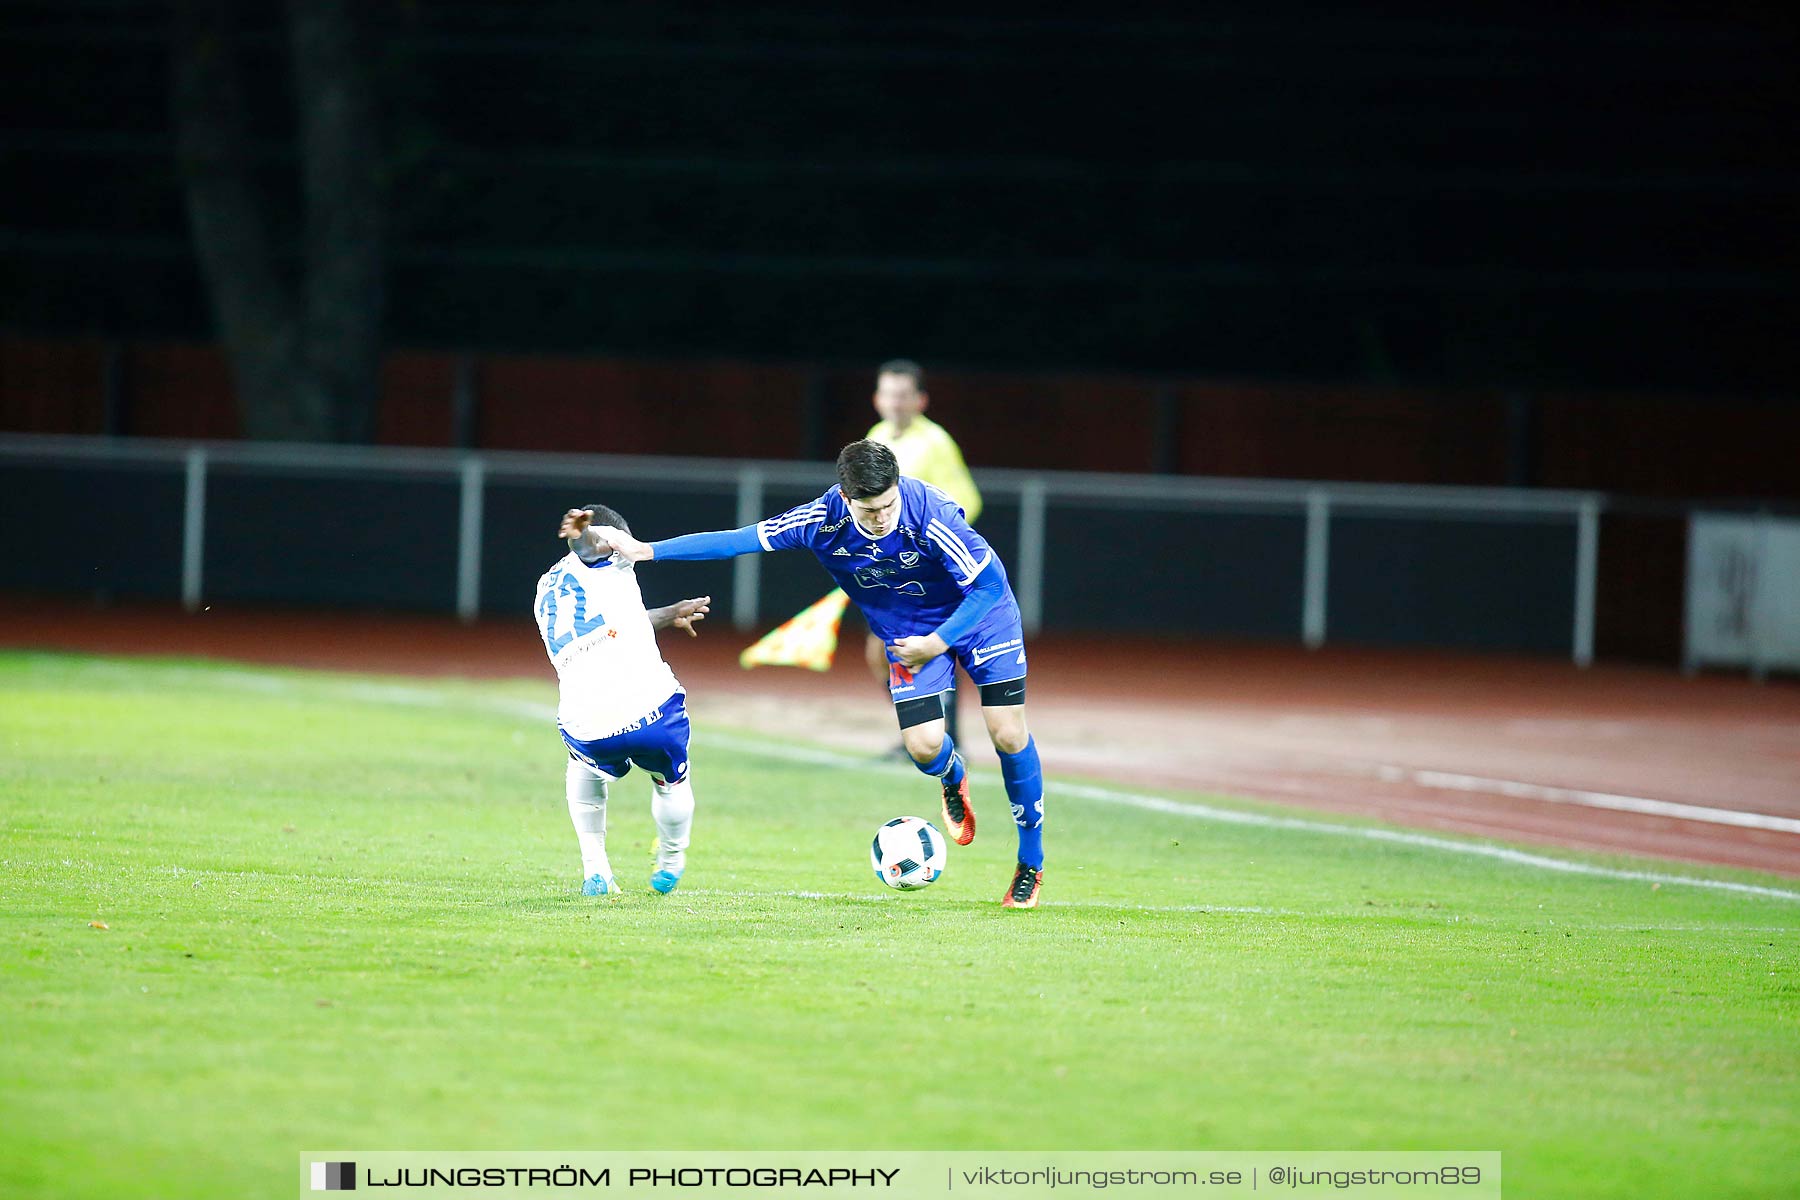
{"x":586,"y":791}
{"x":673,"y":807}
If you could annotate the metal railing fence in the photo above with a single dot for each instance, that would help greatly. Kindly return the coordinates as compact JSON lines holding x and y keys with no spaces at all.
{"x":1317,"y":504}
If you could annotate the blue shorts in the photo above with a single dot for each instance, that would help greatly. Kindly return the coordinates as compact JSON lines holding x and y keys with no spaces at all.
{"x":993,"y":652}
{"x":658,"y":743}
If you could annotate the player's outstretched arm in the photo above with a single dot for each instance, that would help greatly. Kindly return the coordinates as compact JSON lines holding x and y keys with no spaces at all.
{"x":626,"y":546}
{"x":787,"y":531}
{"x":683,"y":615}
{"x":689,"y":547}
{"x":700,"y":547}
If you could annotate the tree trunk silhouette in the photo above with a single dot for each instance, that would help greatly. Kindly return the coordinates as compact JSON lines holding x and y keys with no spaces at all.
{"x":306,"y":354}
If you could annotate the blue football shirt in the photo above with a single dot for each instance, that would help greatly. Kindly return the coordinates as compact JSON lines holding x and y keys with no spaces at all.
{"x":907,"y":583}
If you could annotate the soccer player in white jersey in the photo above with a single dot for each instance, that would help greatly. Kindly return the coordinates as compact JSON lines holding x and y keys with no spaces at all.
{"x":621,"y":706}
{"x":936,"y":594}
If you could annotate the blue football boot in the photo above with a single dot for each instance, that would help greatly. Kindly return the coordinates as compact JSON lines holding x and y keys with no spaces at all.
{"x":669,"y":868}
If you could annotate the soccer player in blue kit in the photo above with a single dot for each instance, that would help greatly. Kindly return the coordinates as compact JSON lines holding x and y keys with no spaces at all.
{"x":934,"y":591}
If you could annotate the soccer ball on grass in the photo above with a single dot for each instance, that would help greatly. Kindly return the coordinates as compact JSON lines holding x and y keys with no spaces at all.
{"x":908,"y":853}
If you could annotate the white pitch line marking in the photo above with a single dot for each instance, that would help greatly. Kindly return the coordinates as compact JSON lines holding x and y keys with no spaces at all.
{"x":1401,"y":837}
{"x":1455,"y":782}
{"x":1207,"y":812}
{"x":402,"y":694}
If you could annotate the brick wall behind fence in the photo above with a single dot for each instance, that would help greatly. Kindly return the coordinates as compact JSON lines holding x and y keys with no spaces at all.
{"x":1645,"y":445}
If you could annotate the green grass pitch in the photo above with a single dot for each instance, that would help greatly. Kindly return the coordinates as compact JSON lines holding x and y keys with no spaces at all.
{"x":340,"y":912}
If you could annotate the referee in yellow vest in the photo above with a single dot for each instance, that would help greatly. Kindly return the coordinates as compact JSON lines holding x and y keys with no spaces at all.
{"x":926,"y":451}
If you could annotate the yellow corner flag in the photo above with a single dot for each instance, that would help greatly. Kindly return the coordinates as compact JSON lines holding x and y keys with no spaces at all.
{"x":807,"y":639}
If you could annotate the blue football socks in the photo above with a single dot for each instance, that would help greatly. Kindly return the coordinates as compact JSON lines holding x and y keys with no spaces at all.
{"x":1025,"y":791}
{"x":948,"y":765}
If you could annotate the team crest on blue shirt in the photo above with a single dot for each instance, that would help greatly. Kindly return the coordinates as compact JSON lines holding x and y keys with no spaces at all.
{"x":884,"y":573}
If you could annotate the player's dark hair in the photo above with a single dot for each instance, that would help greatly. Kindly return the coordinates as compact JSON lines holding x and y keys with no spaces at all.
{"x":607,"y":516}
{"x":866,"y":469}
{"x":903,"y":366}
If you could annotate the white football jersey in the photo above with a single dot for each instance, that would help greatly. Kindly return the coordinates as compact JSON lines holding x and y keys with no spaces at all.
{"x":599,"y":639}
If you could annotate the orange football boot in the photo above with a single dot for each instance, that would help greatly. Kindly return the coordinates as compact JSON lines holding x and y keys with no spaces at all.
{"x":959,"y":818}
{"x":1023,"y":893}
